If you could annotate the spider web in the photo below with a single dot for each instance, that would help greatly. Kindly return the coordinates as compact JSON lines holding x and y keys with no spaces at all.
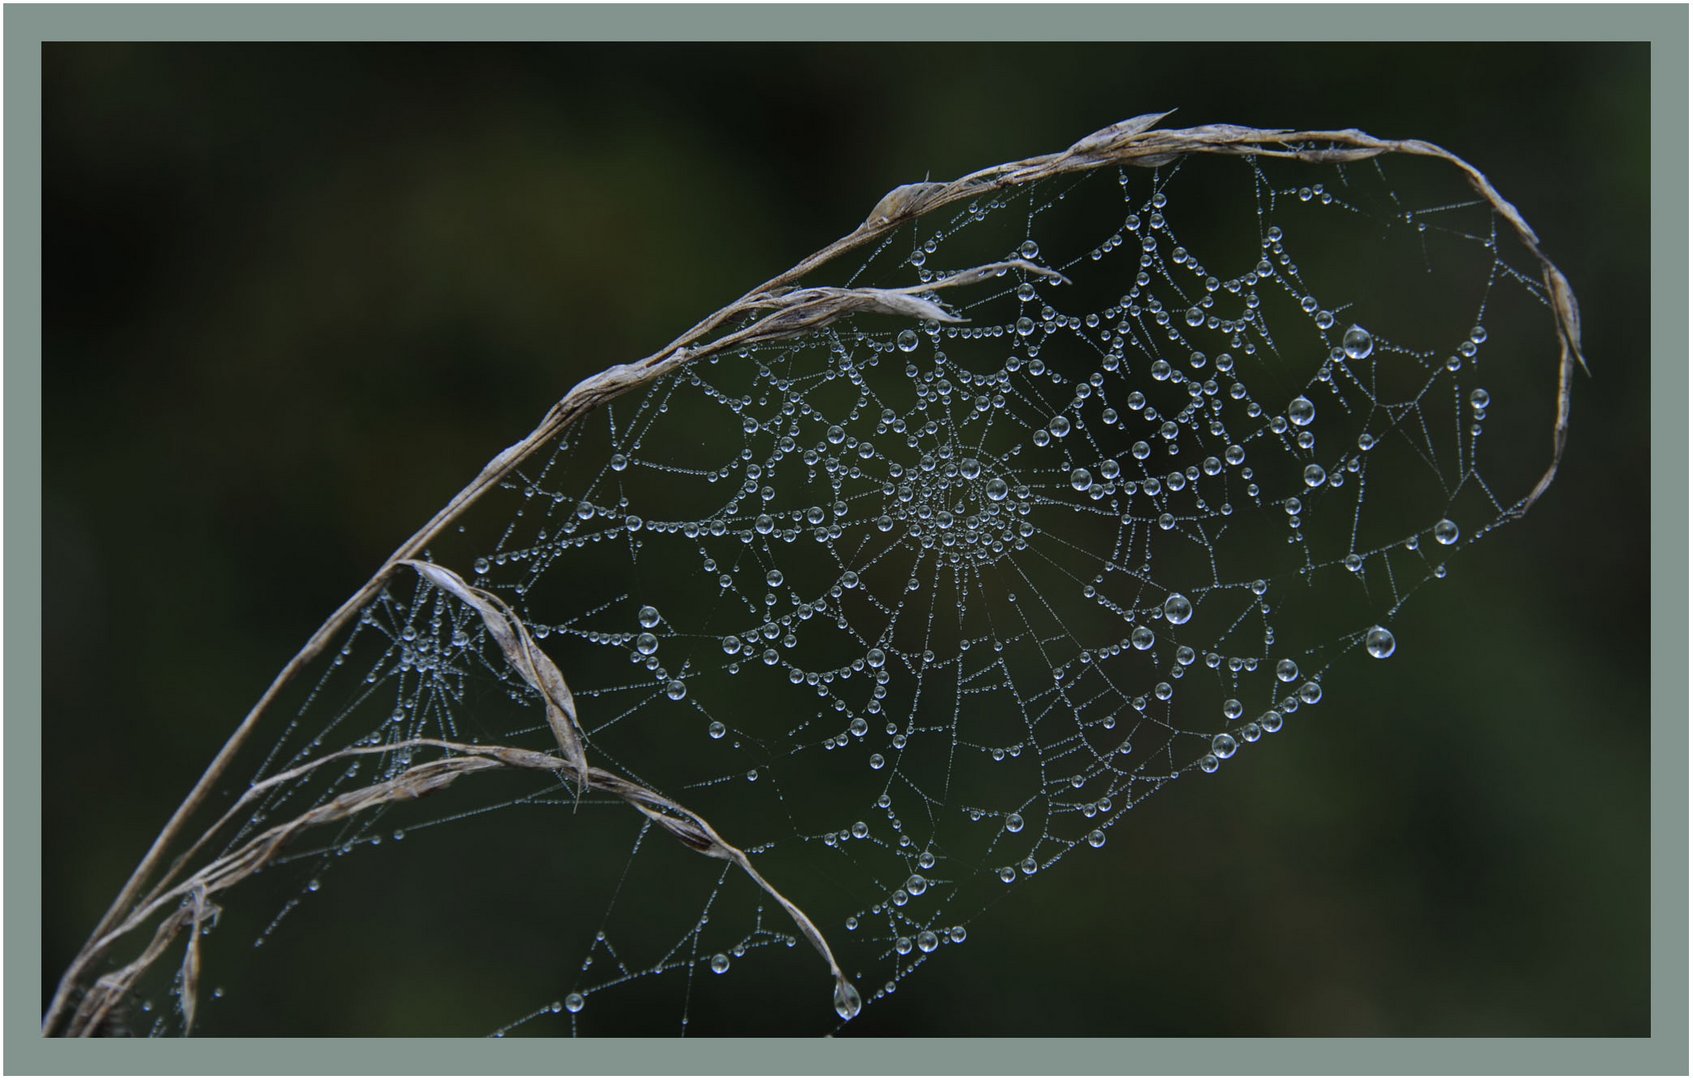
{"x":909,"y":611}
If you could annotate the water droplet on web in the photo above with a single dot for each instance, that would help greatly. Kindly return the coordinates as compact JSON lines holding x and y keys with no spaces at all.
{"x":1178,"y":609}
{"x":1446,"y":531}
{"x":1479,"y":398}
{"x":675,"y":690}
{"x":1300,"y":411}
{"x":1223,"y":746}
{"x":907,"y":341}
{"x":1014,"y":823}
{"x":1379,"y":643}
{"x":648,"y":617}
{"x":1357,"y":342}
{"x":574,"y":1002}
{"x":1081,"y":479}
{"x":646,"y":644}
{"x":1096,"y":838}
{"x":1315,"y":476}
{"x":716,"y":729}
{"x":719,"y":963}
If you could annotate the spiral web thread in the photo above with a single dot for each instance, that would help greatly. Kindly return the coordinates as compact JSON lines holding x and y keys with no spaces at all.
{"x":912,"y":610}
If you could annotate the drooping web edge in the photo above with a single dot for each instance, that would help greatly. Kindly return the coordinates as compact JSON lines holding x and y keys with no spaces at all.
{"x":778,"y":309}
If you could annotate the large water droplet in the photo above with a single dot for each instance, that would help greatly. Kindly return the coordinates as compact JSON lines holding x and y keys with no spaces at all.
{"x":1446,"y":531}
{"x":1379,"y":643}
{"x":907,"y":341}
{"x":1178,"y":609}
{"x":847,"y":1002}
{"x":1357,"y":342}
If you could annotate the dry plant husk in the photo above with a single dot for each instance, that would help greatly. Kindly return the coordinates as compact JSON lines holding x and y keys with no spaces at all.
{"x":179,"y":898}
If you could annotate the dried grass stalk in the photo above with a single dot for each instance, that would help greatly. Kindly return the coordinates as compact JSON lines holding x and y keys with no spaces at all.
{"x":776,"y":310}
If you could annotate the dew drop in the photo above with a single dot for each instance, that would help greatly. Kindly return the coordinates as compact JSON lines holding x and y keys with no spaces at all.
{"x":1379,"y":643}
{"x":1178,"y":609}
{"x":847,"y":1002}
{"x":1357,"y":342}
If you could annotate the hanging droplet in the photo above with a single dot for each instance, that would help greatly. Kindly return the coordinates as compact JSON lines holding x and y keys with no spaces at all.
{"x":907,"y":341}
{"x":847,"y":1002}
{"x":1081,"y":479}
{"x":719,"y":963}
{"x":1178,"y":609}
{"x":1446,"y":531}
{"x":1300,"y":411}
{"x":1379,"y":643}
{"x":648,"y":617}
{"x":1357,"y":342}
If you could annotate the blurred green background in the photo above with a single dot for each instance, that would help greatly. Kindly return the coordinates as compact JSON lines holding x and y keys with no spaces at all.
{"x":296,"y":296}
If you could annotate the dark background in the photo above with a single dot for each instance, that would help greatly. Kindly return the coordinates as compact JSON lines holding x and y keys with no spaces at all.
{"x":296,"y":295}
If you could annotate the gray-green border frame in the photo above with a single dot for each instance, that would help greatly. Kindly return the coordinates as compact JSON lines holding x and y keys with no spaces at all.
{"x":1664,"y":26}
